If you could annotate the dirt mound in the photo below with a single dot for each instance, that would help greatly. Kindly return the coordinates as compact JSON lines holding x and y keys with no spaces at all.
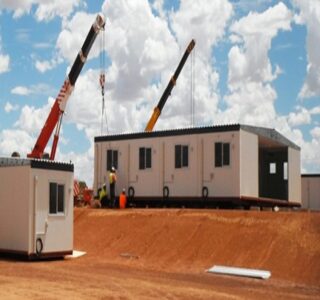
{"x":179,"y":241}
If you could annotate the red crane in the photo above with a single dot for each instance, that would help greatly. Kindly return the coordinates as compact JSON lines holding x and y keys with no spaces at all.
{"x":55,"y":116}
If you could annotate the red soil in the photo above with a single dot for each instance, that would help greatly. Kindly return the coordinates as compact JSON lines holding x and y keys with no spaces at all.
{"x":163,"y":254}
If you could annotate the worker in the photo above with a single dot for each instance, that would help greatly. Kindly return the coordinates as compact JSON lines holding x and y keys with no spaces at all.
{"x":103,"y":196}
{"x":123,"y":199}
{"x":112,"y":181}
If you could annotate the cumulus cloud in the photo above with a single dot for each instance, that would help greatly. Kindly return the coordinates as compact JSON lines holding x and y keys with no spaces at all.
{"x":15,"y":140}
{"x":20,"y":90}
{"x":301,"y":117}
{"x":251,"y":98}
{"x":203,"y":20}
{"x":33,"y":125}
{"x":10,"y":107}
{"x":36,"y":89}
{"x":45,"y":10}
{"x":315,"y":133}
{"x":45,"y":65}
{"x":310,"y":15}
{"x":4,"y":63}
{"x":4,"y":60}
{"x":249,"y":61}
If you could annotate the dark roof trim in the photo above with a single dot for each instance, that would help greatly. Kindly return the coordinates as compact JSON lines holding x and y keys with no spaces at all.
{"x":36,"y":164}
{"x":51,"y":165}
{"x":165,"y":133}
{"x":310,"y":175}
{"x":266,"y":132}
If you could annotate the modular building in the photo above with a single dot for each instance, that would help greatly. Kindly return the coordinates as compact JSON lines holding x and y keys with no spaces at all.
{"x":310,"y":188}
{"x":216,"y":165}
{"x":36,"y":207}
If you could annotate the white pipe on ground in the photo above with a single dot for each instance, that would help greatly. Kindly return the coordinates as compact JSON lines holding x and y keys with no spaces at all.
{"x":263,"y":274}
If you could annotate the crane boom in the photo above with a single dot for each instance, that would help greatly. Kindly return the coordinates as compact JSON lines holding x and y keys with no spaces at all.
{"x":167,"y":92}
{"x":55,"y":116}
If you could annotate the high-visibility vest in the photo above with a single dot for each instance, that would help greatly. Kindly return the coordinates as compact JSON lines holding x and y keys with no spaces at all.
{"x":103,"y":193}
{"x":112,"y":177}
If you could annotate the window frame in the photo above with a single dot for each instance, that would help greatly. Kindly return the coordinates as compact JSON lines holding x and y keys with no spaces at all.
{"x":113,"y":161}
{"x":145,"y":158}
{"x":55,"y":207}
{"x":222,"y":154}
{"x":181,"y":156}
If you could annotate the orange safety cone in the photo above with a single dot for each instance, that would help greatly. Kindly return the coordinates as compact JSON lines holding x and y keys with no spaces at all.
{"x":123,"y":199}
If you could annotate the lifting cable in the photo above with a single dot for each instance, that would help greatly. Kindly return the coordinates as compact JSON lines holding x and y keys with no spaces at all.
{"x":192,"y":86}
{"x":102,"y":80}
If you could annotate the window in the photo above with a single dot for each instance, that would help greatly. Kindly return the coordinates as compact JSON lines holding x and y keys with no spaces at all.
{"x":112,"y":159}
{"x":56,"y":199}
{"x":181,"y":156}
{"x":285,"y":170}
{"x":144,"y":158}
{"x":222,"y":154}
{"x":273,"y":168}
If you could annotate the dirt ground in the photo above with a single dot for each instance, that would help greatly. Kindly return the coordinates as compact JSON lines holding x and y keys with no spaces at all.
{"x":164,"y":254}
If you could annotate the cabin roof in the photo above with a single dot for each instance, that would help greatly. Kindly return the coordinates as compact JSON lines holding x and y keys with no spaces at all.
{"x":262,"y":132}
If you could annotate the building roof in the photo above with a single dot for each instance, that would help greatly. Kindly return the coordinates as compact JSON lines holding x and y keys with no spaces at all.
{"x":262,"y":132}
{"x":36,"y":164}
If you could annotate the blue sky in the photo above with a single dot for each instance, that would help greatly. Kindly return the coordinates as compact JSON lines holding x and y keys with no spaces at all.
{"x":250,"y":66}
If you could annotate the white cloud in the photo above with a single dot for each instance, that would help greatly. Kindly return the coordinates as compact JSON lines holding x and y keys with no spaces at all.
{"x":4,"y":63}
{"x":301,"y":117}
{"x":10,"y":107}
{"x":315,"y":110}
{"x":33,"y":125}
{"x":4,"y":60}
{"x":249,"y":61}
{"x":45,"y":65}
{"x":310,"y":14}
{"x":205,"y":21}
{"x":15,"y":140}
{"x":21,"y":90}
{"x":45,"y":10}
{"x":251,"y":98}
{"x":36,"y":89}
{"x":315,"y":132}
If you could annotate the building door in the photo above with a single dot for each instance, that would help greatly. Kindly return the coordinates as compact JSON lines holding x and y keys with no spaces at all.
{"x":273,"y":176}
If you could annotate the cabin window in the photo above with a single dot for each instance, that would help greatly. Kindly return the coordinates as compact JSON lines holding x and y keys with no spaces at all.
{"x":144,"y":158}
{"x":112,"y":159}
{"x":222,"y":154}
{"x":273,"y":168}
{"x":56,"y":198}
{"x":181,"y":156}
{"x":285,"y":170}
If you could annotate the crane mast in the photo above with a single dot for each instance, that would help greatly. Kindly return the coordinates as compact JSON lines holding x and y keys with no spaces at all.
{"x":54,"y":118}
{"x":167,"y":92}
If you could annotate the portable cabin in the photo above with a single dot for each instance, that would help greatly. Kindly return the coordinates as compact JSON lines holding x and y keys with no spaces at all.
{"x":36,"y":207}
{"x":310,"y":189}
{"x":217,"y":165}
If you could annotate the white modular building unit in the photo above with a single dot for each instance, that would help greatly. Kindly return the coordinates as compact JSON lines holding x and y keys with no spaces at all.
{"x":229,"y":164}
{"x":310,"y":189}
{"x":36,"y":207}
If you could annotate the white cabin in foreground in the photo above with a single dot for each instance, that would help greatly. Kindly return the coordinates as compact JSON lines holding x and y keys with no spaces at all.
{"x":36,"y":207}
{"x":238,"y":164}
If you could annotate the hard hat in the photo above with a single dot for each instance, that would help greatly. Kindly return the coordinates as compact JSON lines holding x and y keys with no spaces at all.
{"x":113,"y":169}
